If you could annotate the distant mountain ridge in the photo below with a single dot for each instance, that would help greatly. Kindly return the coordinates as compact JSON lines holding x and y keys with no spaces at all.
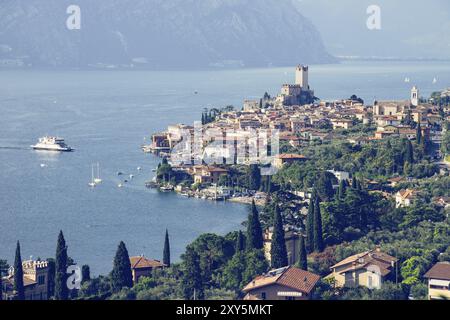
{"x":158,"y":34}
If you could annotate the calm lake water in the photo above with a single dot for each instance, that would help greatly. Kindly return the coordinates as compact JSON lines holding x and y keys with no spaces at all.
{"x":105,"y":116}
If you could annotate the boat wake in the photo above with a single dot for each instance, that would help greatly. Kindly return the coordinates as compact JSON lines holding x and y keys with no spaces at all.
{"x":13,"y":148}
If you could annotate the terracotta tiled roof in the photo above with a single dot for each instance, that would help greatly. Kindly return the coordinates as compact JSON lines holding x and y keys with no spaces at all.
{"x":291,"y":277}
{"x":299,"y":279}
{"x":366,"y":259}
{"x":142,"y":262}
{"x":440,"y":270}
{"x":408,"y":193}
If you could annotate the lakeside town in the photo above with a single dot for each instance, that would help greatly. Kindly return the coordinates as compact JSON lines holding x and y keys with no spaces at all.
{"x":302,"y":120}
{"x":357,"y":207}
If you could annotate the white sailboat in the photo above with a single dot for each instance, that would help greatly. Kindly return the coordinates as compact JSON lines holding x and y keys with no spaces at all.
{"x":407,"y":80}
{"x":98,"y":180}
{"x":92,"y":183}
{"x":434,"y":80}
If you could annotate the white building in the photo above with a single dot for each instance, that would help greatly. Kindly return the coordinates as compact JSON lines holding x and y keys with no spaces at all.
{"x":340,"y":175}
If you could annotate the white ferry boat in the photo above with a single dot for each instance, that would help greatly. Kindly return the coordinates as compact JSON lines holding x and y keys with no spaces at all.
{"x":51,"y":144}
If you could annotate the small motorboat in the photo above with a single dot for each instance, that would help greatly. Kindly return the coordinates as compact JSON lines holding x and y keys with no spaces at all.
{"x":139,"y":168}
{"x":131,"y":176}
{"x":120,"y":185}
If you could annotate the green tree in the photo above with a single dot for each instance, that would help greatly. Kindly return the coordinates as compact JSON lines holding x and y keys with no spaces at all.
{"x":166,"y":251}
{"x":278,"y":250}
{"x":254,"y":177}
{"x":324,"y":186}
{"x":303,"y":258}
{"x":61,"y":290}
{"x":233,"y":271}
{"x":254,"y":230}
{"x":240,"y":242}
{"x":408,"y":151}
{"x":51,"y":277}
{"x":85,"y":273}
{"x":18,"y":275}
{"x":164,"y":172}
{"x":256,"y":264}
{"x":419,"y":133}
{"x":389,"y":291}
{"x":242,"y":268}
{"x":121,"y":276}
{"x":318,"y":235}
{"x":192,"y":280}
{"x":412,"y":270}
{"x":342,"y":189}
{"x":310,"y":227}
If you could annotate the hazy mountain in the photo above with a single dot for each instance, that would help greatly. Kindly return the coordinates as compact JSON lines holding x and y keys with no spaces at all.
{"x":409,"y":28}
{"x":159,"y":33}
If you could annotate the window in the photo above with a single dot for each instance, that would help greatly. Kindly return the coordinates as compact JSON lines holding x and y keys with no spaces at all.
{"x":41,"y":280}
{"x":432,"y":286}
{"x":263,"y":296}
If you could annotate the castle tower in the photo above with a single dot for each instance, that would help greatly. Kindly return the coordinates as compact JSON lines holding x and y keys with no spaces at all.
{"x":415,"y":96}
{"x":301,"y":76}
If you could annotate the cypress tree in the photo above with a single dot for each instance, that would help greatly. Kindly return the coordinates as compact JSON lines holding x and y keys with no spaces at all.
{"x":254,"y":177}
{"x":85,"y":273}
{"x":240,"y":243}
{"x":121,"y":275}
{"x":303,"y":258}
{"x":61,"y":290}
{"x":310,"y":227}
{"x":419,"y":132}
{"x":408,"y":151}
{"x":166,"y":251}
{"x":318,"y":236}
{"x":324,"y":186}
{"x":269,"y":184}
{"x":278,"y":250}
{"x":51,"y":277}
{"x":18,"y":275}
{"x":342,"y":189}
{"x":192,"y":278}
{"x":254,"y":230}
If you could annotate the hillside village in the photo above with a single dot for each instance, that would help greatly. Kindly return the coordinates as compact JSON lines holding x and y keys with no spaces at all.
{"x":357,"y":209}
{"x":302,"y":121}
